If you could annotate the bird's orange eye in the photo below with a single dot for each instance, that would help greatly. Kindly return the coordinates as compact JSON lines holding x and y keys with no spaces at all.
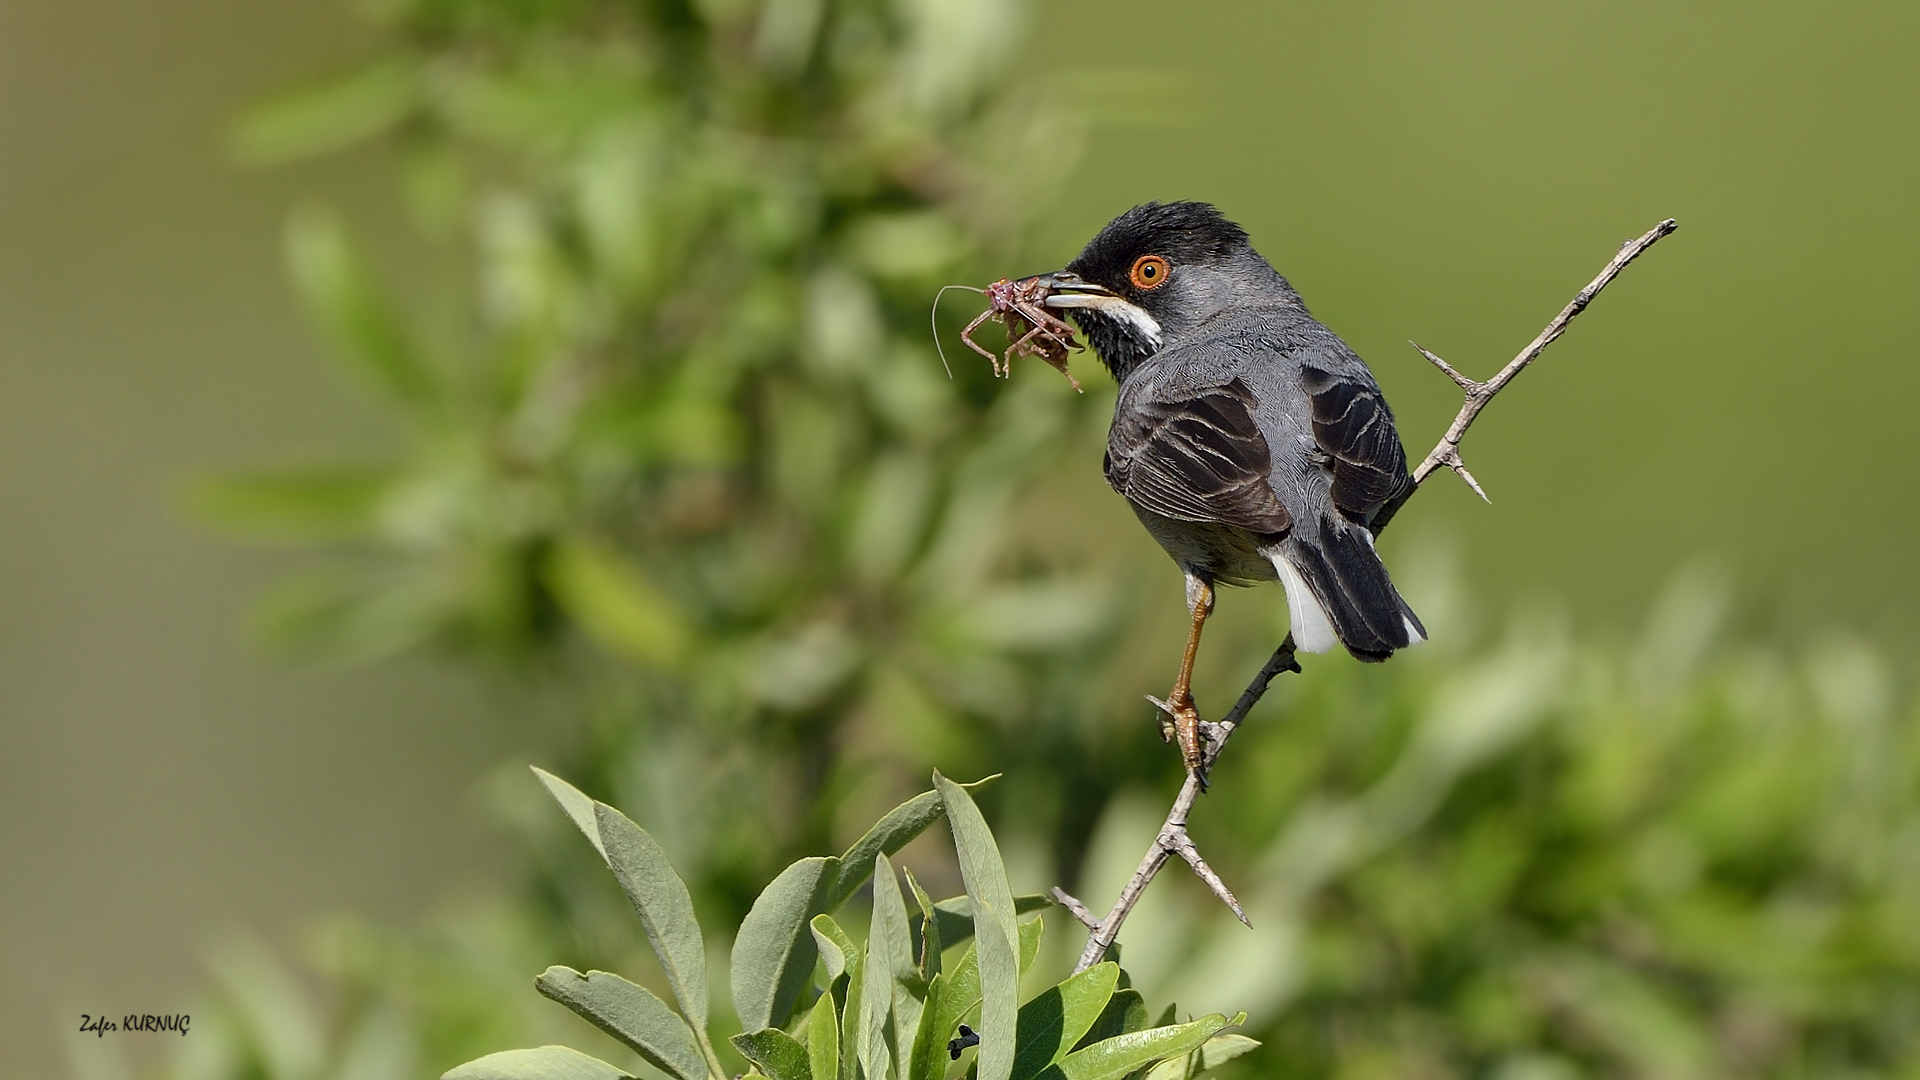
{"x":1149,"y":272}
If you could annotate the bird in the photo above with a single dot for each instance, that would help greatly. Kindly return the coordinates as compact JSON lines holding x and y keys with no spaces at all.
{"x":1252,"y":443}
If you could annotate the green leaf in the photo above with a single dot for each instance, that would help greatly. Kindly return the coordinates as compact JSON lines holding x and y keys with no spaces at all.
{"x":890,"y":954}
{"x":1054,"y":1021}
{"x":959,"y":994}
{"x":1114,"y":1058}
{"x":614,"y":604}
{"x":324,"y":616}
{"x":955,"y":915}
{"x":577,"y":805}
{"x":326,"y":117}
{"x":823,"y":1039}
{"x":1030,"y":932}
{"x":339,"y":502}
{"x":891,"y":833}
{"x":774,"y":952}
{"x":837,"y":950}
{"x":927,"y":1060}
{"x":629,"y":1013}
{"x":665,"y":907}
{"x":925,"y":931}
{"x":996,"y":933}
{"x":545,"y":1063}
{"x":778,"y":1055}
{"x":339,"y":291}
{"x":1212,"y":1054}
{"x":1125,"y":1011}
{"x":853,"y":1051}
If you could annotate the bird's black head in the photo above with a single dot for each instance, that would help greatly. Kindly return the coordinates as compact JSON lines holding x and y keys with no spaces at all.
{"x":1155,"y":273}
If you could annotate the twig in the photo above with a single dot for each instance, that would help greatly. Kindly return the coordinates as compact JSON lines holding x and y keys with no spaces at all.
{"x":1447,"y":451}
{"x":1173,"y":838}
{"x":1075,"y":908}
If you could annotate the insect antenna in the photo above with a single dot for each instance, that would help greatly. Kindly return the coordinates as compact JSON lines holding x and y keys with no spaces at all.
{"x":933,"y":318}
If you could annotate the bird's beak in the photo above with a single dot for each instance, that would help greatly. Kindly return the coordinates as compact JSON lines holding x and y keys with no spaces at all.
{"x":1066,"y":289}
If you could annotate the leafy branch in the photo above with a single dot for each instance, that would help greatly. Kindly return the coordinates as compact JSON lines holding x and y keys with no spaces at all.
{"x":891,"y":1008}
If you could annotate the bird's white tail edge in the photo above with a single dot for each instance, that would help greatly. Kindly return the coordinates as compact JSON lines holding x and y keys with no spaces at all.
{"x":1312,"y":626}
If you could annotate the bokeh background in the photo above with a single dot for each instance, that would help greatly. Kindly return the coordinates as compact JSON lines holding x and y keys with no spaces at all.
{"x":397,"y":396}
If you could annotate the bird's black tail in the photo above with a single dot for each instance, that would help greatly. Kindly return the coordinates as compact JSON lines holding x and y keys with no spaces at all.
{"x":1350,"y":586}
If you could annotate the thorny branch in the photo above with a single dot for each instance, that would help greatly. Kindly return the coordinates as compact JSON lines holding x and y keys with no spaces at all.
{"x":1173,"y":839}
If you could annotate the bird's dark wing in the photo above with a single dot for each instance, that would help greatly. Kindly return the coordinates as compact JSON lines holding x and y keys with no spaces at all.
{"x":1352,"y":423}
{"x":1200,"y":458}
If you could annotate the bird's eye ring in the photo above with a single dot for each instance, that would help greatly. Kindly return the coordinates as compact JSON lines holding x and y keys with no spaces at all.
{"x":1149,"y":272}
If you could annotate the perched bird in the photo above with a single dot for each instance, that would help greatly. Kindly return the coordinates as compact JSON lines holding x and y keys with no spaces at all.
{"x":1249,"y":439}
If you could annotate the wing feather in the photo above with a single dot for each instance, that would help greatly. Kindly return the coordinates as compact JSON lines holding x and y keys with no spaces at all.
{"x":1352,"y":423}
{"x":1198,"y":459}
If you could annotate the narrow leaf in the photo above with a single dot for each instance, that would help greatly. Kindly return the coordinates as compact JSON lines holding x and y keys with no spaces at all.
{"x":1212,"y":1054}
{"x":778,"y":1055}
{"x":1114,"y":1058}
{"x":339,"y":502}
{"x":577,"y":805}
{"x":1125,"y":1011}
{"x":889,"y":939}
{"x":837,"y":950}
{"x":629,"y":1013}
{"x":955,"y":915}
{"x":544,"y":1063}
{"x":614,"y":604}
{"x":874,"y":1053}
{"x":1030,"y":932}
{"x":339,"y":291}
{"x":774,"y":952}
{"x":959,"y":995}
{"x":996,"y":934}
{"x":891,"y":833}
{"x":823,"y":1040}
{"x":890,"y":949}
{"x":925,"y":930}
{"x":1054,"y":1021}
{"x":666,"y":909}
{"x":928,"y":1058}
{"x":853,"y":1051}
{"x":324,"y":117}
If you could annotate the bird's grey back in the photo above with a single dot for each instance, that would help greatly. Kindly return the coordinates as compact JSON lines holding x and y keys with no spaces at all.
{"x":1268,"y":349}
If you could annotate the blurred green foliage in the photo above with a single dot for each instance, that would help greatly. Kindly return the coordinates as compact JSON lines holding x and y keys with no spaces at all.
{"x":689,"y":452}
{"x":686,"y":463}
{"x":1678,"y":855}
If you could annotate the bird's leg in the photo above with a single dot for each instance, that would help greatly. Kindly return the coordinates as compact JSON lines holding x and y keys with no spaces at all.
{"x":1186,"y":718}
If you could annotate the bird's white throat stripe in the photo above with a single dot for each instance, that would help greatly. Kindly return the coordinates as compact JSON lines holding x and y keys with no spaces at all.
{"x":1115,"y":306}
{"x":1312,"y":626}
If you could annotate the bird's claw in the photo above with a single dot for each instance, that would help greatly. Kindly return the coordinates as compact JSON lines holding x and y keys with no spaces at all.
{"x":1180,"y":722}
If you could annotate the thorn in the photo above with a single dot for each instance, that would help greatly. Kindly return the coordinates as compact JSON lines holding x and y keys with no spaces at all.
{"x":1461,"y":467}
{"x":1448,"y":369}
{"x":1075,"y":908}
{"x":1185,"y":846}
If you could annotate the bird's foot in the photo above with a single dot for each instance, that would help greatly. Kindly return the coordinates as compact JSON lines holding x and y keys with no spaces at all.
{"x":1180,"y":722}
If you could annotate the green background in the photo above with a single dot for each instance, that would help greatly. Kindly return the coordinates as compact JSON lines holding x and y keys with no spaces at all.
{"x":1452,"y":174}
